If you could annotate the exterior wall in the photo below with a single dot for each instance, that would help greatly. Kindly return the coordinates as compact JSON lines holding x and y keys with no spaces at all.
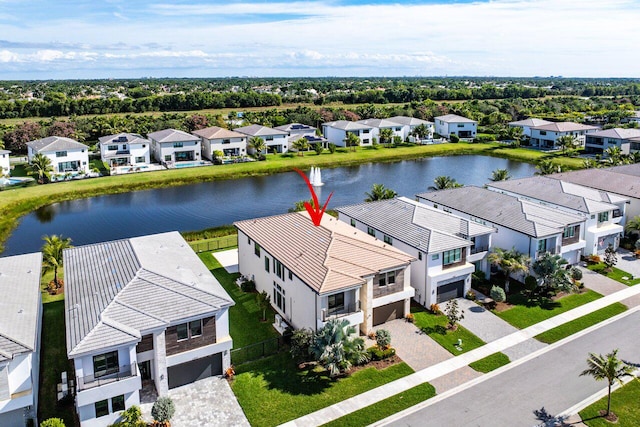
{"x":281,"y":142}
{"x":548,"y":139}
{"x":87,"y":413}
{"x":208,"y":337}
{"x":79,"y":155}
{"x":162,"y":149}
{"x":131,"y":151}
{"x":5,"y":167}
{"x":445,"y":129}
{"x":238,"y":144}
{"x":598,"y":144}
{"x":338,"y":136}
{"x":526,"y":130}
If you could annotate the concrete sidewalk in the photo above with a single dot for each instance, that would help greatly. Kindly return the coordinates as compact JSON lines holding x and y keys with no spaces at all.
{"x":371,"y":397}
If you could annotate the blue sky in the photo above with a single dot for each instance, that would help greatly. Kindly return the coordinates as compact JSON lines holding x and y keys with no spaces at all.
{"x":122,"y":39}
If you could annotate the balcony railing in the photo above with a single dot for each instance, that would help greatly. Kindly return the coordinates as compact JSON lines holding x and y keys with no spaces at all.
{"x":107,"y":377}
{"x":335,"y":313}
{"x":479,"y":248}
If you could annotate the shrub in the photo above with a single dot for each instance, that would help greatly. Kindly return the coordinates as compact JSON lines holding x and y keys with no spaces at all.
{"x":637,"y":245}
{"x":131,"y":417}
{"x":301,"y":340}
{"x":52,"y":422}
{"x":262,"y":157}
{"x":471,"y":295}
{"x":383,"y":338}
{"x":576,"y":273}
{"x":163,"y":409}
{"x":376,"y":353}
{"x":435,"y":309}
{"x":484,"y":137}
{"x":317,"y":147}
{"x":248,"y":286}
{"x":593,"y":259}
{"x":497,"y":294}
{"x":410,"y":317}
{"x":332,"y":147}
{"x":454,"y":138}
{"x":453,"y":313}
{"x":530,"y":283}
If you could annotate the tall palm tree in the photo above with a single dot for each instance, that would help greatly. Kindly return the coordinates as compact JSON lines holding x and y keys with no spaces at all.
{"x":379,"y":192}
{"x":301,"y":145}
{"x":41,"y":167}
{"x":567,"y":142}
{"x":500,"y":174}
{"x":352,"y":140}
{"x":257,"y":144}
{"x":614,"y":156}
{"x":546,"y":167}
{"x":421,"y":131}
{"x":386,"y":135}
{"x":633,"y":226}
{"x":510,"y":261}
{"x":610,"y":368}
{"x":444,"y":183}
{"x":52,"y":254}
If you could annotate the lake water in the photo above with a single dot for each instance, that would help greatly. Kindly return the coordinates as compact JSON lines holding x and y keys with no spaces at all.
{"x":210,"y":204}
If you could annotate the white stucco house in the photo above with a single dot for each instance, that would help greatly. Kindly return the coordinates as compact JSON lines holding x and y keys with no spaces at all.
{"x":215,"y":138}
{"x":5,"y":165}
{"x":140,"y":312}
{"x":276,"y":140}
{"x":336,"y":132}
{"x":409,"y":124}
{"x":318,"y":273}
{"x":527,"y":124}
{"x":529,"y":227}
{"x":379,"y":124}
{"x":20,"y":327}
{"x":546,"y":136}
{"x":604,"y":213}
{"x":66,"y":154}
{"x":627,"y":140}
{"x":446,"y":249}
{"x":125,"y":149}
{"x":172,"y":147}
{"x":299,"y":130}
{"x":460,"y":126}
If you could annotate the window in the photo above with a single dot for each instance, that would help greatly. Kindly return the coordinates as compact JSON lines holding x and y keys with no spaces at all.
{"x":195,"y":327}
{"x":61,"y":154}
{"x":420,"y":256}
{"x":371,"y":231}
{"x":140,"y":159}
{"x":178,"y":145}
{"x":256,"y":249}
{"x":388,"y":239}
{"x":542,"y":245}
{"x":183,"y":332}
{"x":102,"y":408}
{"x":105,"y":364}
{"x":365,"y":141}
{"x":569,"y":232}
{"x":268,"y":138}
{"x":460,"y":125}
{"x":543,"y":132}
{"x":278,"y":268}
{"x":112,"y":147}
{"x":144,"y":145}
{"x":336,"y":302}
{"x":435,"y":257}
{"x":290,"y":275}
{"x":226,"y":141}
{"x":117,"y":403}
{"x":452,"y":256}
{"x":267,"y":261}
{"x":397,"y":129}
{"x":365,"y":131}
{"x":388,"y":278}
{"x":353,"y":222}
{"x":603,"y":216}
{"x":167,"y":157}
{"x":278,"y":297}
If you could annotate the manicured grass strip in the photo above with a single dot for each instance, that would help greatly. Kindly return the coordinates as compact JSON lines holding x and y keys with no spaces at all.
{"x":215,"y":243}
{"x":528,"y":313}
{"x":624,"y":403}
{"x":489,"y":363}
{"x":436,"y":327}
{"x":386,"y":407}
{"x":615,"y":274}
{"x":563,"y":331}
{"x":244,"y":318}
{"x":273,"y":390}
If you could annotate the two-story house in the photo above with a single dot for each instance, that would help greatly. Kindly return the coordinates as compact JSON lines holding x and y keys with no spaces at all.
{"x":20,"y":326}
{"x":379,"y":124}
{"x":527,"y":124}
{"x":277,"y":141}
{"x":452,"y":124}
{"x":140,"y":312}
{"x":336,"y":132}
{"x":546,"y":136}
{"x":299,"y":130}
{"x":66,"y":154}
{"x":173,"y":147}
{"x":409,"y":124}
{"x":125,"y":149}
{"x":529,"y":227}
{"x":228,"y":142}
{"x":604,"y":212}
{"x":5,"y":165}
{"x":446,"y":248}
{"x":627,"y":140}
{"x":318,"y":273}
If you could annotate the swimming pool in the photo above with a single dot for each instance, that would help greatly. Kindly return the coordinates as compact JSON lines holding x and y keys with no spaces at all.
{"x":189,"y":164}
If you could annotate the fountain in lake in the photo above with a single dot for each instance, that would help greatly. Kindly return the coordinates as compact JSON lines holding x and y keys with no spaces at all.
{"x":315,"y":176}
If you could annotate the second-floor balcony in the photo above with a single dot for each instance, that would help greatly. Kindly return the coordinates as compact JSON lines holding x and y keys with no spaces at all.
{"x":479,"y":248}
{"x":552,"y":251}
{"x":106,"y":377}
{"x":338,"y":312}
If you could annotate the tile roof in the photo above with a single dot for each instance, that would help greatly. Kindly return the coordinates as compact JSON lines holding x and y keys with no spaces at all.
{"x":55,"y":143}
{"x":172,"y":135}
{"x":259,"y":130}
{"x":347,"y":125}
{"x":604,"y":179}
{"x":618,"y":133}
{"x":5,"y":152}
{"x":117,"y":290}
{"x":532,"y":219}
{"x":20,"y":304}
{"x":633,"y":169}
{"x":216,"y":132}
{"x":564,"y":127}
{"x":378,"y":123}
{"x":411,"y":121}
{"x":327,"y":258}
{"x":532,"y":121}
{"x":129,"y":138}
{"x":295,"y":126}
{"x":454,"y":118}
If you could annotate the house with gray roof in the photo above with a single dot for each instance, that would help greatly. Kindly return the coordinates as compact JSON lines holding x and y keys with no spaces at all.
{"x":379,"y":124}
{"x":125,"y":149}
{"x":531,"y":228}
{"x":336,"y":132}
{"x":228,"y":142}
{"x":318,"y":273}
{"x":627,"y":140}
{"x":452,"y":124}
{"x":20,"y":326}
{"x":604,"y":212}
{"x":173,"y":147}
{"x":546,"y":136}
{"x":446,"y":248}
{"x":277,"y":141}
{"x":408,"y":125}
{"x":527,"y":124}
{"x":5,"y":165}
{"x":140,"y":312}
{"x":297,"y":131}
{"x":66,"y":155}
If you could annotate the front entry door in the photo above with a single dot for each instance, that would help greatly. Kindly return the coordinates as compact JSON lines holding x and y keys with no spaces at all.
{"x":145,"y":370}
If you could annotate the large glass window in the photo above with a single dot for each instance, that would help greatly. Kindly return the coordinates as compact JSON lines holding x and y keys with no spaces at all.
{"x":388,"y":278}
{"x":256,"y":249}
{"x":178,"y":145}
{"x":452,"y":256}
{"x":542,"y":245}
{"x":61,"y":154}
{"x":336,"y":302}
{"x":105,"y":364}
{"x":112,"y":148}
{"x":102,"y":408}
{"x":183,"y":332}
{"x":569,"y":232}
{"x":279,"y":297}
{"x":278,"y":268}
{"x":603,"y":216}
{"x":195,"y":327}
{"x":266,"y":264}
{"x":117,"y":403}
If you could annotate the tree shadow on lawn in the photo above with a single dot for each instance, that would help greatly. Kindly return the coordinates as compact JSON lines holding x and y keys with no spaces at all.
{"x":437,"y":329}
{"x":282,"y":373}
{"x":544,"y":303}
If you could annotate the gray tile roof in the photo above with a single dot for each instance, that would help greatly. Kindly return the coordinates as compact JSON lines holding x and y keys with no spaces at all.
{"x":115,"y":291}
{"x":347,"y":125}
{"x":20,"y":304}
{"x":564,"y":127}
{"x":454,"y":118}
{"x":411,"y":121}
{"x":259,"y":130}
{"x":430,"y":230}
{"x":604,"y":179}
{"x":378,"y":123}
{"x":633,"y":169}
{"x":216,"y":132}
{"x":532,"y":219}
{"x":532,"y":121}
{"x":172,"y":135}
{"x":55,"y":143}
{"x":295,"y":126}
{"x":617,"y":133}
{"x":119,"y":138}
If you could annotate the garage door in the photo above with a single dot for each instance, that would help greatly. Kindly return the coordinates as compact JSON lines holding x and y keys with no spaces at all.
{"x":186,"y":373}
{"x":384,"y":313}
{"x":450,"y":291}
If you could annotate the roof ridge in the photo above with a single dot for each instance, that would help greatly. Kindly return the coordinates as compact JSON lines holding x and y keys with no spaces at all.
{"x":130,"y":307}
{"x":16,"y":341}
{"x":120,"y":326}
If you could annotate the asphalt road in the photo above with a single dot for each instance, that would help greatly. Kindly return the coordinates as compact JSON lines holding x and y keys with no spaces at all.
{"x":551,"y":381}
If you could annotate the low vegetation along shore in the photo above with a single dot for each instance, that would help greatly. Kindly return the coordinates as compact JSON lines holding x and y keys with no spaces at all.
{"x":18,"y":202}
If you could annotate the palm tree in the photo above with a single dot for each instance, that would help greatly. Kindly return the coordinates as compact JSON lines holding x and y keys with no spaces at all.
{"x":301,"y":145}
{"x":386,"y":135}
{"x":379,"y":192}
{"x":516,"y":134}
{"x":421,"y":131}
{"x":589,"y":164}
{"x":509,"y":261}
{"x":610,"y":368}
{"x":633,"y":226}
{"x":614,"y":156}
{"x":552,"y":274}
{"x":352,"y":140}
{"x":546,"y":167}
{"x":500,"y":174}
{"x":52,"y":254}
{"x":41,"y":167}
{"x":444,"y":183}
{"x":257,"y":144}
{"x":335,"y":350}
{"x":567,"y":142}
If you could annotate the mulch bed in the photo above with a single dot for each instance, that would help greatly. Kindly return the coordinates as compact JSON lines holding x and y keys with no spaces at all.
{"x":378,"y":364}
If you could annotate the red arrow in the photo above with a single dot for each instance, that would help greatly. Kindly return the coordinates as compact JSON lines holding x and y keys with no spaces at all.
{"x":314,"y":211}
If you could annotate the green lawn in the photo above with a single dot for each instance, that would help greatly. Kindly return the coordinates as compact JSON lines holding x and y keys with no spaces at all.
{"x":526,"y":313}
{"x":436,"y":327}
{"x":491,"y":362}
{"x":569,"y":328}
{"x":386,"y":407}
{"x":215,"y":243}
{"x":615,"y":274}
{"x":273,"y":390}
{"x":624,"y":403}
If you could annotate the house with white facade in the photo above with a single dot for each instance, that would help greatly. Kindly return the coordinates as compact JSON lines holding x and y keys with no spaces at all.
{"x":529,"y":227}
{"x":5,"y":166}
{"x":409,"y":124}
{"x":627,"y":140}
{"x":20,"y":327}
{"x":171,"y":147}
{"x":446,"y":248}
{"x":318,"y":273}
{"x":604,"y":212}
{"x":277,"y":141}
{"x":527,"y":124}
{"x":228,"y":142}
{"x":299,"y":130}
{"x":460,"y":126}
{"x":125,"y":149}
{"x":66,"y":154}
{"x":379,"y":124}
{"x":336,"y":132}
{"x":140,"y":312}
{"x":634,"y":117}
{"x":546,"y":136}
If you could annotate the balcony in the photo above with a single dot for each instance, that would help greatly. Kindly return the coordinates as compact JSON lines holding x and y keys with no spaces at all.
{"x":479,"y":248}
{"x":617,"y":213}
{"x":336,"y":313}
{"x":109,"y":376}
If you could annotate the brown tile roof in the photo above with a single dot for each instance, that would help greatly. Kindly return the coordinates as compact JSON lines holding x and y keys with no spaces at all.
{"x":216,"y":132}
{"x":564,"y":127}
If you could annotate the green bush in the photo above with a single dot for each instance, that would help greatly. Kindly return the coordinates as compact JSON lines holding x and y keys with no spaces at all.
{"x":383,"y":338}
{"x":301,"y":340}
{"x":376,"y":353}
{"x":248,"y":286}
{"x":484,"y":137}
{"x":530,"y":283}
{"x":497,"y":294}
{"x":332,"y":147}
{"x":163,"y":409}
{"x":52,"y":422}
{"x":576,"y":273}
{"x":454,"y":138}
{"x":317,"y":147}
